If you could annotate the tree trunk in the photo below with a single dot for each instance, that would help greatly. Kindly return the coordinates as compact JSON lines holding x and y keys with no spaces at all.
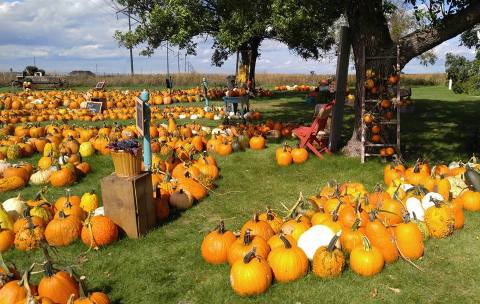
{"x":248,"y":56}
{"x":368,"y":31}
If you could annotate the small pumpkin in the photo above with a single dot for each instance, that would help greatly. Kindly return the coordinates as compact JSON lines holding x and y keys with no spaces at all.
{"x":328,"y":261}
{"x":57,"y":286}
{"x":89,"y":201}
{"x":181,"y":199}
{"x":409,"y":239}
{"x":440,"y":220}
{"x":366,"y":260}
{"x":288,"y":263}
{"x":63,"y":230}
{"x":215,"y":245}
{"x":299,"y":155}
{"x":99,"y":231}
{"x":244,"y":244}
{"x":258,"y":228}
{"x":250,"y":275}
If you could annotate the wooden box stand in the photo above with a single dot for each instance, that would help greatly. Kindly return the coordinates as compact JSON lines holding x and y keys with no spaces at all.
{"x":128,"y":203}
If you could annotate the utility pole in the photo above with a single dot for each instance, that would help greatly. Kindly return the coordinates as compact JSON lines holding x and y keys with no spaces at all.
{"x":128,"y":12}
{"x":168,"y":63}
{"x":185,"y":62}
{"x":34,"y":64}
{"x":130,"y":30}
{"x":178,"y":60}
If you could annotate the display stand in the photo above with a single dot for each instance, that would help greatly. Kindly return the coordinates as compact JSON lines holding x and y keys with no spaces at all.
{"x":371,"y":104}
{"x":128,"y":203}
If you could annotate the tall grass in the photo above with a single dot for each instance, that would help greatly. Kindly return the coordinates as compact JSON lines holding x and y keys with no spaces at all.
{"x":195,"y":79}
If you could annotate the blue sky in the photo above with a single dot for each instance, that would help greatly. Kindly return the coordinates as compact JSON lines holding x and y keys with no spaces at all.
{"x":66,"y":35}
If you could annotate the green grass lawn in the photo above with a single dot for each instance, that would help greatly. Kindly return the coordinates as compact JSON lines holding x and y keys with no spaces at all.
{"x":165,"y":266}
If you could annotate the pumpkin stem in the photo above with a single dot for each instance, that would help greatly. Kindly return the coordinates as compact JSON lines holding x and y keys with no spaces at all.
{"x":356,"y":224}
{"x":406,"y":217}
{"x":247,"y":238}
{"x":270,"y":215}
{"x":81,"y":286}
{"x":366,"y":243}
{"x":255,"y":217}
{"x":333,"y":241}
{"x":4,"y":266}
{"x":285,"y":241}
{"x":249,"y":256}
{"x":335,"y":212}
{"x":221,"y":227}
{"x":414,"y":216}
{"x":436,"y":202}
{"x":61,"y":215}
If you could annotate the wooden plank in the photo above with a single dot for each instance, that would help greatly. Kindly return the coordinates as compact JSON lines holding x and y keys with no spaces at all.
{"x":341,"y":78}
{"x":128,"y":202}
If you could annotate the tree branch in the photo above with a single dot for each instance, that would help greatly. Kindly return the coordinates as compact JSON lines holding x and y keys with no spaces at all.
{"x":421,"y":41}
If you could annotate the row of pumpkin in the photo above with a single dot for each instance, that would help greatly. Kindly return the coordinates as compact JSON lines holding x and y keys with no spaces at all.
{"x":345,"y":224}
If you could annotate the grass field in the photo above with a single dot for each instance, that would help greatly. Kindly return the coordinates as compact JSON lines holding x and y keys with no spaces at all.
{"x":165,"y":266}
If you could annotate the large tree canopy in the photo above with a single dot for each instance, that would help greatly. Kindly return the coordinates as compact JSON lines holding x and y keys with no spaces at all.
{"x":233,"y":25}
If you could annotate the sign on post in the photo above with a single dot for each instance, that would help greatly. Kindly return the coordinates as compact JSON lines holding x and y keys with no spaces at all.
{"x":95,"y":106}
{"x":139,"y":116}
{"x":100,"y":85}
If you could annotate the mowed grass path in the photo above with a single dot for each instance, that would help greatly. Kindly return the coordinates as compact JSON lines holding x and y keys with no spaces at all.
{"x":165,"y":266}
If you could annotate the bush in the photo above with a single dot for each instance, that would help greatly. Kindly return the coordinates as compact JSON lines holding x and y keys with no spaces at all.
{"x":465,"y":74}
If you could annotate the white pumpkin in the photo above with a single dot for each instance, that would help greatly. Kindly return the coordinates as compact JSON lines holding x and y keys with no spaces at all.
{"x":315,"y":237}
{"x":216,"y":117}
{"x":406,"y":187}
{"x":414,"y":205}
{"x":182,"y":116}
{"x":14,"y":207}
{"x":99,"y":211}
{"x":4,"y":165}
{"x":427,"y":203}
{"x":40,"y":177}
{"x":194,"y":116}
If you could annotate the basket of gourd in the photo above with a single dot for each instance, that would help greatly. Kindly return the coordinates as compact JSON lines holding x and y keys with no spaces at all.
{"x":127,"y":157}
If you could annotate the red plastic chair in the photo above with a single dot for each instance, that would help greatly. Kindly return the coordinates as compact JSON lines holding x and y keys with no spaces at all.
{"x":308,"y":135}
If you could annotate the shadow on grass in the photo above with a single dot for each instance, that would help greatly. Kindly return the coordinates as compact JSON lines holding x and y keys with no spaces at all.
{"x":441,"y":130}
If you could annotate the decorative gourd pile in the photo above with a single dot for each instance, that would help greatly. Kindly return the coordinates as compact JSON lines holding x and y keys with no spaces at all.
{"x":57,"y":285}
{"x":25,"y":224}
{"x":346,"y":225}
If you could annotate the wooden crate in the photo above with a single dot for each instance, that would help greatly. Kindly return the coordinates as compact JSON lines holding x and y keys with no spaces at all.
{"x":128,"y":202}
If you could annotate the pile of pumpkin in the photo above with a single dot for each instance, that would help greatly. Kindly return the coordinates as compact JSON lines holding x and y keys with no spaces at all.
{"x":180,"y":180}
{"x":26,"y":224}
{"x":287,"y":155}
{"x":345,"y":224}
{"x":61,"y":164}
{"x":60,"y":286}
{"x":298,"y":88}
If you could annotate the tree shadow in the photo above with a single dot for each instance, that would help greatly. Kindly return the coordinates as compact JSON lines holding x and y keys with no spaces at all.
{"x":441,"y":130}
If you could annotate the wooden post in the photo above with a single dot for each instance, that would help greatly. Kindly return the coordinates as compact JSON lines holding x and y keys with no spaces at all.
{"x":342,"y":73}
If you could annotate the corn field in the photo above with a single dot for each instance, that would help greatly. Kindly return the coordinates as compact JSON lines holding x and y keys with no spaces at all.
{"x":195,"y":79}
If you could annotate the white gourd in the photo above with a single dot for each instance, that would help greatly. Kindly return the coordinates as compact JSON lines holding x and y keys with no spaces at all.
{"x":14,"y":207}
{"x":313,"y":238}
